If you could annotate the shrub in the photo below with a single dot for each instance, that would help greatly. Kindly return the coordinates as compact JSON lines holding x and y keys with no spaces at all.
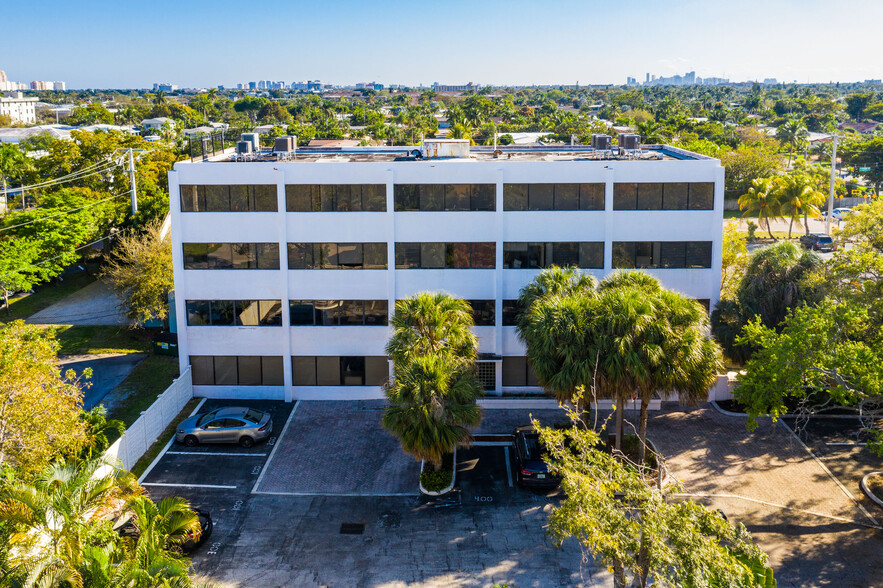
{"x":435,"y":480}
{"x":752,"y":229}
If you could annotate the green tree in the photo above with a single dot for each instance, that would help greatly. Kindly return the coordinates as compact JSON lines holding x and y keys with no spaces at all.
{"x":250,"y":105}
{"x":14,"y":165}
{"x":792,"y":133}
{"x":141,"y":273}
{"x":635,"y":530}
{"x":857,"y":103}
{"x":747,"y":163}
{"x":651,"y":132}
{"x":797,"y":195}
{"x":434,"y":388}
{"x":162,"y":528}
{"x":18,"y":271}
{"x":39,"y":408}
{"x":90,"y":114}
{"x":867,"y":154}
{"x":762,"y":201}
{"x":734,"y":259}
{"x":96,"y":429}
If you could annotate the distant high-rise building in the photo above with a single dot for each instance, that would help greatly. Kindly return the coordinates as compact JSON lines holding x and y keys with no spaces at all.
{"x":252,"y":85}
{"x":630,"y":81}
{"x":165,"y":87}
{"x":769,"y":82}
{"x":647,"y":80}
{"x":59,"y":86}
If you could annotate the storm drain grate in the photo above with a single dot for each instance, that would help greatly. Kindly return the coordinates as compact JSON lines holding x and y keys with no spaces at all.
{"x":352,"y":528}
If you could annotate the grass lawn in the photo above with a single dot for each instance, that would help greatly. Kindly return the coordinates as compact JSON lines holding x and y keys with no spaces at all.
{"x":82,"y":339}
{"x":166,"y":436}
{"x":728,"y":214}
{"x":44,"y":297}
{"x":148,"y":380}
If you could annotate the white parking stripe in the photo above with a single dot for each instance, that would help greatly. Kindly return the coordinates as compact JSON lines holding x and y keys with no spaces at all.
{"x":492,"y":443}
{"x":275,"y":447}
{"x":846,"y":444}
{"x":188,"y":485}
{"x":215,"y":453}
{"x":168,"y":445}
{"x":347,"y":494}
{"x":508,"y":467}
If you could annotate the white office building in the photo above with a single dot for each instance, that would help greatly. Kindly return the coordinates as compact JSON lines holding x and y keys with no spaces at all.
{"x":19,"y":109}
{"x":286,"y":270}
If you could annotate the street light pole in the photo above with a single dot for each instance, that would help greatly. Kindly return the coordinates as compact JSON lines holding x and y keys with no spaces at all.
{"x":831,"y":191}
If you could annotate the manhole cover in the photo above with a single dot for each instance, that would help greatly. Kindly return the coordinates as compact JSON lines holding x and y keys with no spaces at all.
{"x":352,"y":528}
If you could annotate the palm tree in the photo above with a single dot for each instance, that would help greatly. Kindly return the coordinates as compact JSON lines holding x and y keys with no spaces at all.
{"x":433,"y":392}
{"x":651,"y":132}
{"x":761,"y":201}
{"x":792,"y":132}
{"x":159,"y":97}
{"x":797,"y":195}
{"x":162,"y":528}
{"x":97,"y":428}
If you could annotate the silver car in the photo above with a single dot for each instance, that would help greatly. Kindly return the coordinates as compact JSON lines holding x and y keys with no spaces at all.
{"x":232,"y":424}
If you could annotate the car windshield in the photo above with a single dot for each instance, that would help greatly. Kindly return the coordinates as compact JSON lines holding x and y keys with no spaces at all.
{"x":206,"y":418}
{"x":254,"y":416}
{"x":826,"y":240}
{"x":532,"y":447}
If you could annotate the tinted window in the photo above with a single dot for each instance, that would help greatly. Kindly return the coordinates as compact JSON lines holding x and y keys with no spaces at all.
{"x":231,"y":255}
{"x":337,"y":256}
{"x":229,"y":198}
{"x":483,"y":312}
{"x":438,"y":197}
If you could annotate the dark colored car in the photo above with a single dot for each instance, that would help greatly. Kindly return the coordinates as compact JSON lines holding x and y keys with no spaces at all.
{"x":532,"y":469}
{"x":193,"y":540}
{"x":818,"y":242}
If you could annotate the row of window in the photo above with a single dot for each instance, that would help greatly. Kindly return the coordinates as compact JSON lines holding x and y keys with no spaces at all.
{"x":588,"y":255}
{"x":232,"y":370}
{"x":339,"y":312}
{"x":333,"y":370}
{"x":659,"y":196}
{"x":447,"y":197}
{"x":236,"y":313}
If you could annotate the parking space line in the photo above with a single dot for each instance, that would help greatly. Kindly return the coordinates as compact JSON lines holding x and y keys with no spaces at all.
{"x":275,"y":447}
{"x":344,"y":494}
{"x":508,"y":467}
{"x":491,"y":443}
{"x":163,"y":484}
{"x":166,"y":448}
{"x":216,"y":453}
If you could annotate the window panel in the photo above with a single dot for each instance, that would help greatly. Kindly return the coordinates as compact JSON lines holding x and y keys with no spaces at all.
{"x":220,"y":256}
{"x":223,"y":313}
{"x":202,"y":369}
{"x":325,"y":255}
{"x":702,"y":196}
{"x":248,"y":313}
{"x":623,"y":255}
{"x":352,"y":371}
{"x":457,"y":255}
{"x":541,"y":197}
{"x":566,"y":196}
{"x":375,"y":255}
{"x":195,"y":255}
{"x":328,"y":370}
{"x":249,"y":367}
{"x":326,"y":198}
{"x":698,"y":254}
{"x":484,"y":197}
{"x":674,"y":196}
{"x":376,"y":312}
{"x":198,"y":312}
{"x":515,"y":255}
{"x":217,"y":198}
{"x":649,"y":196}
{"x":327,"y":312}
{"x":539,"y":255}
{"x":483,"y":312}
{"x":565,"y":254}
{"x":270,"y":312}
{"x":514,"y":371}
{"x":343,"y":198}
{"x":268,"y":255}
{"x":407,"y":255}
{"x":244,"y":256}
{"x":532,"y":379}
{"x":349,"y":256}
{"x":190,"y":198}
{"x":352,"y":312}
{"x":301,"y":312}
{"x":271,"y":370}
{"x":299,"y":197}
{"x":225,"y":370}
{"x":431,"y":196}
{"x":406,"y":197}
{"x":510,"y":313}
{"x":484,"y":255}
{"x":239,"y":198}
{"x":376,"y":371}
{"x":300,"y":256}
{"x":515,"y":197}
{"x":432,"y":255}
{"x":374,"y":197}
{"x":303,"y":370}
{"x":265,"y":198}
{"x":672,"y":254}
{"x":591,"y":255}
{"x":591,"y":196}
{"x":644,"y":257}
{"x":457,"y":196}
{"x":625,"y":196}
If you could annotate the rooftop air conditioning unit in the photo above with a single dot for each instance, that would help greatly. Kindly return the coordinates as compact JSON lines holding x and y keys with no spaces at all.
{"x":285,"y":144}
{"x":433,"y":148}
{"x":601,"y":142}
{"x":254,"y":139}
{"x":629,"y":141}
{"x":244,"y":148}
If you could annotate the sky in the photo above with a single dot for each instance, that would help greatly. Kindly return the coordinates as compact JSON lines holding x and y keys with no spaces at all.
{"x":195,"y":43}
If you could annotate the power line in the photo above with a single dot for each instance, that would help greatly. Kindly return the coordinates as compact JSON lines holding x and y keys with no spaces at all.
{"x":77,"y":175}
{"x":36,"y":220}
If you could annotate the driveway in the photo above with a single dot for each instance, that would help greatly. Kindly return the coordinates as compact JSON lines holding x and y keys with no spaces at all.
{"x":814,"y":533}
{"x":95,"y":304}
{"x":108,"y":372}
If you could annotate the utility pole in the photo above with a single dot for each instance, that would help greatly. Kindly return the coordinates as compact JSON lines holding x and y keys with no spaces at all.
{"x":831,"y":191}
{"x":131,"y":171}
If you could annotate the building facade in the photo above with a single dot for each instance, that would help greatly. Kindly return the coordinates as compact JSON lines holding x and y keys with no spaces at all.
{"x":20,"y":109}
{"x":286,"y":271}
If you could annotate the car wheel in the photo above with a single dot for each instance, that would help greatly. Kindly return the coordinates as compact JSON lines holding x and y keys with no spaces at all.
{"x":246,"y":442}
{"x":191,"y":441}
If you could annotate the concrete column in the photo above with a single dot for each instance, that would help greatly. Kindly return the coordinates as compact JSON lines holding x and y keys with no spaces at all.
{"x":609,"y":176}
{"x":390,"y":248}
{"x":498,"y":284}
{"x":175,"y":233}
{"x":282,"y":219}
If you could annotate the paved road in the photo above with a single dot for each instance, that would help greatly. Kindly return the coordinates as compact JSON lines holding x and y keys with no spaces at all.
{"x":108,"y":372}
{"x":95,"y":304}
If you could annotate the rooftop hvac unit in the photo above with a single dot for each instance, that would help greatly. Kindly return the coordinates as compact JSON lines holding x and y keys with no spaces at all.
{"x":244,"y":148}
{"x":285,"y":144}
{"x":629,"y":141}
{"x":254,"y":139}
{"x":433,"y":148}
{"x":601,"y":142}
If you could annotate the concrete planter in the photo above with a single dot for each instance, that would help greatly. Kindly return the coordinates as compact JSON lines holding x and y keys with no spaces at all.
{"x":443,"y":490}
{"x":864,"y":486}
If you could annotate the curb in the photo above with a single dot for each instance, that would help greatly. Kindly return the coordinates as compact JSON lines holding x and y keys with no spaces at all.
{"x":443,"y":491}
{"x":864,"y":486}
{"x":787,"y":415}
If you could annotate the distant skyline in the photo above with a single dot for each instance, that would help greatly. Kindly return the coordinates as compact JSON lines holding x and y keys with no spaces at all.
{"x":108,"y":44}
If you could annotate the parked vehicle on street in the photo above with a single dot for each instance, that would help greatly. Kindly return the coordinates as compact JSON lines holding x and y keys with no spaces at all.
{"x":818,"y":242}
{"x":532,"y":469}
{"x":231,"y":424}
{"x":838,"y":214}
{"x":194,"y":539}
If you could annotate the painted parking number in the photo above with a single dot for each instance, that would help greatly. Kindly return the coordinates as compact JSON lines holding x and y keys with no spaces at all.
{"x":484,"y":499}
{"x":271,"y":441}
{"x":214,"y":549}
{"x":238,"y":505}
{"x":255,"y":470}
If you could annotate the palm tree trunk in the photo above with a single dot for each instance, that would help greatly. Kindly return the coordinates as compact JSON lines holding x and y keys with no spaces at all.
{"x":642,"y":428}
{"x":769,"y":228}
{"x":806,"y":223}
{"x":790,"y":226}
{"x":620,"y":428}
